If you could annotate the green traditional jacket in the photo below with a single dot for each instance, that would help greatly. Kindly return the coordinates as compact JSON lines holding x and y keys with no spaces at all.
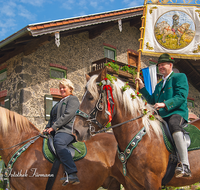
{"x":174,"y":95}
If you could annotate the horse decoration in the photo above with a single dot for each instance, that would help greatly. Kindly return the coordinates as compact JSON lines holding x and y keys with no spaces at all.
{"x":143,"y":155}
{"x":28,"y":169}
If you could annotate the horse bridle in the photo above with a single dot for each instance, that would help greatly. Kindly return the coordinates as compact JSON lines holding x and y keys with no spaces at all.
{"x":91,"y":117}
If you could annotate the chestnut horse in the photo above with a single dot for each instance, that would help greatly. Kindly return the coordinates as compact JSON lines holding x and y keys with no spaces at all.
{"x":146,"y":164}
{"x":31,"y":169}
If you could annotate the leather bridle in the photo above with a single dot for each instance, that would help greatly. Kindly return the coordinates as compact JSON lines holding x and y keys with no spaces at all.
{"x":91,"y":117}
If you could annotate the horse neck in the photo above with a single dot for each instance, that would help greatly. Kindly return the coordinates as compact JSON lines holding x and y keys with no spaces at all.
{"x":13,"y":138}
{"x":125,"y":132}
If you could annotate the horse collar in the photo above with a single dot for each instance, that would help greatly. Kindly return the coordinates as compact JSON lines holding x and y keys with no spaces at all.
{"x":123,"y":156}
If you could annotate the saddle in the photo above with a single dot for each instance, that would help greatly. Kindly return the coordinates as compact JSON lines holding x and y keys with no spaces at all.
{"x":78,"y":151}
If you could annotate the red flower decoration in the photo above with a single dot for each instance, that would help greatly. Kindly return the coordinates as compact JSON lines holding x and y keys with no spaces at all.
{"x":113,"y":61}
{"x":172,"y":58}
{"x":106,"y":79}
{"x":109,"y":64}
{"x":138,"y":93}
{"x":128,"y":65}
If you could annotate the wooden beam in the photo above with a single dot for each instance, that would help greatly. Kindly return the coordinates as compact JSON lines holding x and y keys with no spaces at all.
{"x":35,"y":44}
{"x":15,"y":52}
{"x":29,"y":48}
{"x":136,"y":21}
{"x":100,"y":29}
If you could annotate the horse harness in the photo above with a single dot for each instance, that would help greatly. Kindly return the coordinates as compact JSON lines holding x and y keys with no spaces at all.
{"x":91,"y":118}
{"x":19,"y":152}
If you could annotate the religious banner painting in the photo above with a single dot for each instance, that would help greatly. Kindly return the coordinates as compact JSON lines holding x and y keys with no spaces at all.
{"x":172,"y":29}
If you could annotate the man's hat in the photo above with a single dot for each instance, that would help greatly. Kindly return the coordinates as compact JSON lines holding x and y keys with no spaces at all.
{"x":165,"y":58}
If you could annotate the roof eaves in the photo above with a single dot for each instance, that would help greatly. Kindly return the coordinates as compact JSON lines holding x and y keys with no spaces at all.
{"x":70,"y":24}
{"x":14,"y":36}
{"x":85,"y":16}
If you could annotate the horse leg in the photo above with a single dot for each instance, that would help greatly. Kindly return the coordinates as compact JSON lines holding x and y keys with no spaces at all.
{"x":153,"y":181}
{"x":111,"y":184}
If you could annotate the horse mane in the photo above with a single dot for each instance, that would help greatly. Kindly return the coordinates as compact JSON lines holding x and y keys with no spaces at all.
{"x":132,"y":106}
{"x":9,"y":119}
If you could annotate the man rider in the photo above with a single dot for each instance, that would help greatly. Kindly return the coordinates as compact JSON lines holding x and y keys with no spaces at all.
{"x":170,"y":98}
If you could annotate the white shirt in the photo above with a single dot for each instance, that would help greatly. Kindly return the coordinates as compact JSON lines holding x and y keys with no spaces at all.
{"x":165,"y":78}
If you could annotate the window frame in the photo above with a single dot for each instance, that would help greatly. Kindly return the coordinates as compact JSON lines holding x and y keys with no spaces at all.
{"x":111,"y":49}
{"x":191,"y":101}
{"x":49,"y":104}
{"x":2,"y":71}
{"x":58,"y":69}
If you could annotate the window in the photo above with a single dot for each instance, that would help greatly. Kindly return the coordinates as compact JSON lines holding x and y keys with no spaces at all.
{"x":57,"y":73}
{"x":110,"y":52}
{"x":190,"y":102}
{"x":50,"y":101}
{"x":3,"y":74}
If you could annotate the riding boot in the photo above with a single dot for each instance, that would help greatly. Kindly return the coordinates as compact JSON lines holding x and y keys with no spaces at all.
{"x":183,"y":168}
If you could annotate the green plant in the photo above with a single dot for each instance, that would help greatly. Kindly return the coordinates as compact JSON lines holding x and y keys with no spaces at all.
{"x":114,"y":66}
{"x":129,"y":69}
{"x":125,"y":87}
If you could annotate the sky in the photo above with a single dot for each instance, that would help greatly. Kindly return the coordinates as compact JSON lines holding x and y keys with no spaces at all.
{"x":17,"y":14}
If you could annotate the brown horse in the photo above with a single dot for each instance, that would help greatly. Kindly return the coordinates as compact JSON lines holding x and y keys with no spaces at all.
{"x":147,"y":164}
{"x":31,"y":169}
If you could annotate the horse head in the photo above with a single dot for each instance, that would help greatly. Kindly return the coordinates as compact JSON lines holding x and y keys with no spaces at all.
{"x":92,"y":109}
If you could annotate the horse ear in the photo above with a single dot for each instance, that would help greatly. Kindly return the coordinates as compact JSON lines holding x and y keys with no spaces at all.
{"x":102,"y":75}
{"x":87,"y":77}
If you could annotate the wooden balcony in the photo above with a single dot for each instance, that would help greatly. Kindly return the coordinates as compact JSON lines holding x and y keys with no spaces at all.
{"x":98,"y":65}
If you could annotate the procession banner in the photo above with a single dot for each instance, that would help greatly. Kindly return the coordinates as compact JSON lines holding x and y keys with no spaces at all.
{"x":150,"y":78}
{"x":173,"y":29}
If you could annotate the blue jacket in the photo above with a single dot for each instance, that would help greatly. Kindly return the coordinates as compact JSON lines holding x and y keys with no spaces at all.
{"x":174,"y":95}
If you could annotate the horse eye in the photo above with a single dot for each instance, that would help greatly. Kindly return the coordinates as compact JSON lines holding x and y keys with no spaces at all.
{"x":91,"y":98}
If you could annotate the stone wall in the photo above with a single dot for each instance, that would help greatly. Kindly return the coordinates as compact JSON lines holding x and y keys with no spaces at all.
{"x":28,"y":76}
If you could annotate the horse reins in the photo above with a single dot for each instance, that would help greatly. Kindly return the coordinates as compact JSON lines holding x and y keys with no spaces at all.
{"x":40,"y":135}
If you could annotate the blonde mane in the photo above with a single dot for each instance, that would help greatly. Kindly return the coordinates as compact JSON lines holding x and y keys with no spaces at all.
{"x":10,"y":119}
{"x":133,"y":106}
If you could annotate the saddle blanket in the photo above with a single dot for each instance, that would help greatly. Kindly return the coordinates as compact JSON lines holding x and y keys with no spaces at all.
{"x":79,"y":145}
{"x":194,"y":134}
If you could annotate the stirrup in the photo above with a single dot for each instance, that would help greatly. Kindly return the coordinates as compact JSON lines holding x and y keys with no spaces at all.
{"x":64,"y":179}
{"x":182,"y":170}
{"x":179,"y":170}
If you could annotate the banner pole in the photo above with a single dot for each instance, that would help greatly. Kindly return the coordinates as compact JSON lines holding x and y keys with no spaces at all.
{"x":140,"y":46}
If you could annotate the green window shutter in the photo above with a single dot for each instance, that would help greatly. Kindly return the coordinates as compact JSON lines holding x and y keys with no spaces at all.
{"x":7,"y":102}
{"x":48,"y":99}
